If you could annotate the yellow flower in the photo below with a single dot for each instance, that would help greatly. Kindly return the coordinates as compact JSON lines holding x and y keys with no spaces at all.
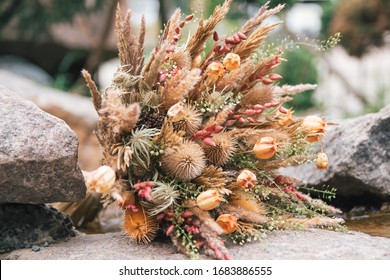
{"x":265,"y":148}
{"x":246,"y":179}
{"x":321,"y":161}
{"x":231,"y":61}
{"x":215,"y":69}
{"x":209,"y":199}
{"x":227,"y":222}
{"x":314,"y":128}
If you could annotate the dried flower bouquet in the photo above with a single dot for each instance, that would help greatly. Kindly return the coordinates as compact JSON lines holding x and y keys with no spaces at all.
{"x":193,"y":139}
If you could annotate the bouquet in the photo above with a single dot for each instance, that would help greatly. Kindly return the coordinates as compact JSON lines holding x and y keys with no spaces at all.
{"x":193,"y":138}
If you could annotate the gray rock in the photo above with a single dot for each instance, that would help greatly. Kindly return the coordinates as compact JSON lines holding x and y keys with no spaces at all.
{"x":76,"y":110}
{"x":28,"y":225}
{"x":35,"y":248}
{"x":46,"y":98}
{"x":313,"y":244}
{"x":38,"y":155}
{"x":359,"y":158}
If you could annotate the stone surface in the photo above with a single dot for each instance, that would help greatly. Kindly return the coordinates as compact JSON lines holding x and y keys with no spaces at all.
{"x":77,"y":111}
{"x":359,"y":159}
{"x":27,"y":225}
{"x":300,"y":245}
{"x":38,"y":155}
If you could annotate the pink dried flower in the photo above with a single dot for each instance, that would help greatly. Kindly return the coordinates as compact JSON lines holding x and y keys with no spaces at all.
{"x":169,"y":230}
{"x":189,"y":17}
{"x":275,"y":77}
{"x":266,"y":81}
{"x":209,"y":142}
{"x":144,"y":189}
{"x":241,"y":35}
{"x":230,"y":122}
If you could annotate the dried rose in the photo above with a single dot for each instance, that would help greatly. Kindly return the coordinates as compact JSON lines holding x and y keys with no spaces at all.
{"x":265,"y":148}
{"x":209,"y":199}
{"x":231,"y":61}
{"x":246,"y":179}
{"x":227,"y":222}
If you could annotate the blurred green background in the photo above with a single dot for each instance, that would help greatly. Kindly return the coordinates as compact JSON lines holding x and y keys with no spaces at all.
{"x":61,"y":37}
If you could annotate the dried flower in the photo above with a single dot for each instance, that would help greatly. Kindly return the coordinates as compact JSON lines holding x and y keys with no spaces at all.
{"x":190,"y":120}
{"x":227,"y":222}
{"x":209,"y":199}
{"x":246,"y":179}
{"x":100,"y":180}
{"x":265,"y":148}
{"x":184,"y":162}
{"x":162,"y":196}
{"x":231,"y":61}
{"x":144,"y":189}
{"x":121,"y":118}
{"x":248,"y":202}
{"x":215,"y":70}
{"x":176,"y":112}
{"x":171,"y":127}
{"x":127,"y":201}
{"x":139,"y":226}
{"x":314,"y":128}
{"x":222,"y":150}
{"x":285,"y":117}
{"x":275,"y":77}
{"x":321,"y":161}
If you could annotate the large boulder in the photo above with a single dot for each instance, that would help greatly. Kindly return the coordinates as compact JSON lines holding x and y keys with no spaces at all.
{"x":38,"y":155}
{"x":77,"y":111}
{"x":359,"y":159}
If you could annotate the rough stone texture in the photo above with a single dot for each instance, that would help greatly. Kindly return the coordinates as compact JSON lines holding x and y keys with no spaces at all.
{"x":300,"y":245}
{"x":27,"y":225}
{"x":359,"y":158}
{"x":38,"y":155}
{"x":77,"y":111}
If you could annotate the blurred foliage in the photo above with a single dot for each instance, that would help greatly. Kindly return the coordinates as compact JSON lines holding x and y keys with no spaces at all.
{"x":33,"y":17}
{"x":300,"y":67}
{"x":240,"y":8}
{"x":362,"y":23}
